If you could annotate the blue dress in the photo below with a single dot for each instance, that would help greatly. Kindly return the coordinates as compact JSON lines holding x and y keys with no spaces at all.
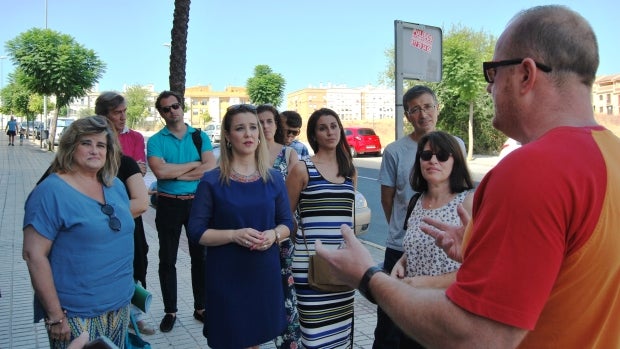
{"x":244,"y":297}
{"x":326,"y":318}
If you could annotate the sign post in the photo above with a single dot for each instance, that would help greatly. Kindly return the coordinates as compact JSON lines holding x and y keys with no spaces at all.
{"x":418,"y":56}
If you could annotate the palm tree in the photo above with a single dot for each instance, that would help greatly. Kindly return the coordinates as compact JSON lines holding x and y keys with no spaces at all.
{"x":178,"y":46}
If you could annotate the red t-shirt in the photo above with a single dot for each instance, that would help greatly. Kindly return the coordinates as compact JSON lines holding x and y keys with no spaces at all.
{"x":542,"y":251}
{"x":132,"y":144}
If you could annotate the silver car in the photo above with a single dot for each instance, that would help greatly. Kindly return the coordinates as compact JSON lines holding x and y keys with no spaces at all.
{"x":362,"y":211}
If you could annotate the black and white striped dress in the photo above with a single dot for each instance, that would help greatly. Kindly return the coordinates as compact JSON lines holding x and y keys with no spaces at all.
{"x":326,"y":318}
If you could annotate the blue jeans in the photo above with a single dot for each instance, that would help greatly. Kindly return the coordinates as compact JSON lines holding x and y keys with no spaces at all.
{"x":172,"y":215}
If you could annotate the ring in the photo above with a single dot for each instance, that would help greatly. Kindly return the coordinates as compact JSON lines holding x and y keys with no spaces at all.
{"x":264,"y":245}
{"x":247,"y":242}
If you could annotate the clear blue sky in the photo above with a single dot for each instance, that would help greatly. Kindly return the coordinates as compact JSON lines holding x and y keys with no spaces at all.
{"x":308,"y":42}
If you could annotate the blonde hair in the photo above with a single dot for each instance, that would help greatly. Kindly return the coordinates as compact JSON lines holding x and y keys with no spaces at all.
{"x":63,"y":162}
{"x":261,"y":155}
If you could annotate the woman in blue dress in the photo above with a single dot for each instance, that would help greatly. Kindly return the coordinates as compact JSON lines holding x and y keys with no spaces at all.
{"x":240,"y":212}
{"x":322,"y":189}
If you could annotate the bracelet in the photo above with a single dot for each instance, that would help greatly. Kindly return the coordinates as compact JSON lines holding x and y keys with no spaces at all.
{"x":275,"y":230}
{"x":49,"y":324}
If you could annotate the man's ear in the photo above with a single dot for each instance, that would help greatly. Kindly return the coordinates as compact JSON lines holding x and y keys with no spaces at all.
{"x":529,"y":73}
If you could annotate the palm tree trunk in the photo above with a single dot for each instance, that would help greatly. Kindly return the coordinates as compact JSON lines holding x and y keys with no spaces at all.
{"x":178,"y":46}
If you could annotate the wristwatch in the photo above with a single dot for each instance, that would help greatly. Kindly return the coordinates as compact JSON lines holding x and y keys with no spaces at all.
{"x":363,"y":286}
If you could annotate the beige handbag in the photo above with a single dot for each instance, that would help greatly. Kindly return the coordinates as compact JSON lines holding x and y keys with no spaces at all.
{"x":320,"y":274}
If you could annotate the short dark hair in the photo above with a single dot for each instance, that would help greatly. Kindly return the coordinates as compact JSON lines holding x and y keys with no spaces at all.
{"x":107,"y":101}
{"x":166,"y":94}
{"x":460,"y":179}
{"x":293,"y":119}
{"x":415,"y":92}
{"x":558,"y":37}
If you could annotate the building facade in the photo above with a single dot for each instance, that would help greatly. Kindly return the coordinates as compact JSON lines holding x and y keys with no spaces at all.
{"x":205,"y":105}
{"x":606,"y":95}
{"x":364,"y":103}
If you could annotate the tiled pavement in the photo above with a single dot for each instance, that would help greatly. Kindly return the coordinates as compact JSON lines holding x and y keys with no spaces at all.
{"x":20,"y":168}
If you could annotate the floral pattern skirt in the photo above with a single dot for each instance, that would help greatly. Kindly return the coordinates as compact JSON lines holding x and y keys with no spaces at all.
{"x":291,"y":338}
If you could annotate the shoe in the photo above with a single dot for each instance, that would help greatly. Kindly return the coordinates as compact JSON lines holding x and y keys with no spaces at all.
{"x":167,"y":323}
{"x":198,"y":316}
{"x":145,"y":328}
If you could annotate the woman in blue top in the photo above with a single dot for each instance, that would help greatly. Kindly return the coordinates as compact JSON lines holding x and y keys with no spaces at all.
{"x":78,"y":238}
{"x":240,"y":212}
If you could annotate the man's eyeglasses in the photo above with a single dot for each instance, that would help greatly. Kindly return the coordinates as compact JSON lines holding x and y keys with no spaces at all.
{"x":441,"y":155}
{"x":174,"y":106}
{"x":242,"y":108}
{"x":290,"y":132}
{"x":114,"y":222}
{"x":427,"y":108}
{"x":490,"y":68}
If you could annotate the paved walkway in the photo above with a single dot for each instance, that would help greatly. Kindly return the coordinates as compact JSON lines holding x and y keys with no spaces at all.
{"x":20,"y":168}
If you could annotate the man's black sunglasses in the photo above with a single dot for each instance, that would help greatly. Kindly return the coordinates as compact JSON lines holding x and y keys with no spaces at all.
{"x":290,"y":132}
{"x":490,"y":68}
{"x":174,"y":106}
{"x":441,"y":155}
{"x":114,"y":223}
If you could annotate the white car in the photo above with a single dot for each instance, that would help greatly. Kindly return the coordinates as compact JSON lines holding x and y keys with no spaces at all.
{"x":213,"y":130}
{"x":362,"y":211}
{"x":508,"y":146}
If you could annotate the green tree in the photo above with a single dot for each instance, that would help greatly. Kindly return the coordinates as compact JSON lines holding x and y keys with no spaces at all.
{"x":462,"y":90}
{"x":137,"y":105}
{"x":205,"y":118}
{"x":463,"y":53}
{"x":178,"y":46}
{"x":55,"y":64}
{"x":266,"y":87}
{"x":15,"y":98}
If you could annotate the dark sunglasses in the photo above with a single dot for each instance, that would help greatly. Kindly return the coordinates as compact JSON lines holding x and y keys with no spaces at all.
{"x":242,"y":108}
{"x":114,"y":223}
{"x":441,"y":155}
{"x":292,"y":132}
{"x":490,"y":68}
{"x":174,"y":106}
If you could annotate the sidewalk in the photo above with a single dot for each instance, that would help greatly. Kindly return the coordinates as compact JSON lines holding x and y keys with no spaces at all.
{"x":20,"y":168}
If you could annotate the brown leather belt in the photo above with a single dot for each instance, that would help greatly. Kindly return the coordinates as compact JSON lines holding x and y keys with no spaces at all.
{"x":180,"y":197}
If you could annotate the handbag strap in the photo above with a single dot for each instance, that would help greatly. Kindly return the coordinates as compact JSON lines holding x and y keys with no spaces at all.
{"x":410,"y":207}
{"x":303,"y":233}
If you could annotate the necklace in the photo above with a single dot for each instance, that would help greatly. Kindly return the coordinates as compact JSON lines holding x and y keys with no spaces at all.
{"x":239,"y":177}
{"x":426,"y":202}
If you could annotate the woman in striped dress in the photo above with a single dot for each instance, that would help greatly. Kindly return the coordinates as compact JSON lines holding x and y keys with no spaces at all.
{"x":322,"y":189}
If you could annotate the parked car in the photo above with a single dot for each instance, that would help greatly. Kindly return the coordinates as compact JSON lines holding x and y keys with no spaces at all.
{"x":508,"y":146}
{"x":362,"y":211}
{"x":363,"y":140}
{"x":213,"y":130}
{"x":60,"y":127}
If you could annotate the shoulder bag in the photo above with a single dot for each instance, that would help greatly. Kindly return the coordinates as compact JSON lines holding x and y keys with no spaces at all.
{"x":320,"y":274}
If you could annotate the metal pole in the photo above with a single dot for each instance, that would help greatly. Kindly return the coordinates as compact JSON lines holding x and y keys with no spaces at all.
{"x":44,"y":97}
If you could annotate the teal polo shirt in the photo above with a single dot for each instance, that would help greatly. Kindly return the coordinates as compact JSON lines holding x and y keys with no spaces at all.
{"x":173,"y":150}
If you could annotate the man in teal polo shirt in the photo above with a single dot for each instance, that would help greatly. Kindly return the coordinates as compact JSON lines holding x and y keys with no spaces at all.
{"x":174,"y":159}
